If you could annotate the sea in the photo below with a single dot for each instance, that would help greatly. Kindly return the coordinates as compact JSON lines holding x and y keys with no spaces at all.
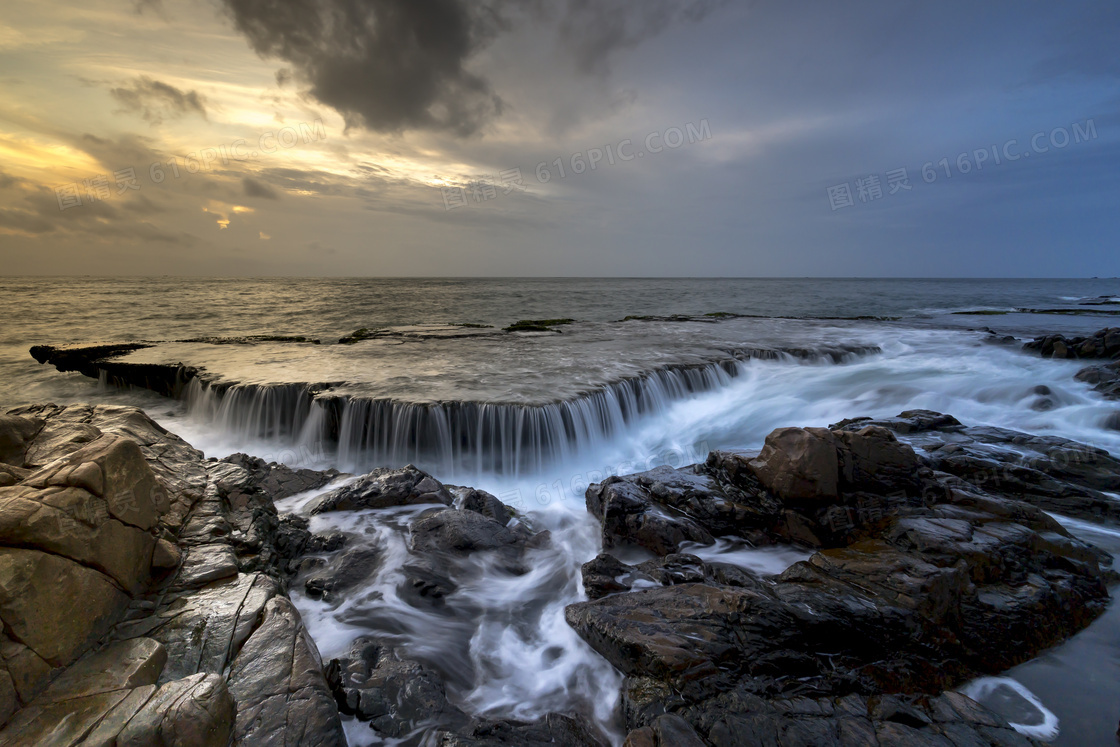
{"x":636,"y":373}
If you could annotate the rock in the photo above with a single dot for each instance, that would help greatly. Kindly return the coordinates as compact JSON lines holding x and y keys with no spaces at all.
{"x":119,"y":666}
{"x":204,"y":629}
{"x":278,"y":684}
{"x":799,"y":464}
{"x":396,"y":695}
{"x":206,"y":563}
{"x":332,"y":541}
{"x":115,"y":470}
{"x":1104,"y":343}
{"x":384,"y":488}
{"x":76,"y":524}
{"x":667,"y":730}
{"x":460,"y":533}
{"x":55,"y":606}
{"x":196,"y":710}
{"x":16,"y":434}
{"x":165,"y":556}
{"x":484,"y":503}
{"x":873,"y":459}
{"x":629,"y":514}
{"x":553,"y":729}
{"x":29,"y":672}
{"x":345,"y":572}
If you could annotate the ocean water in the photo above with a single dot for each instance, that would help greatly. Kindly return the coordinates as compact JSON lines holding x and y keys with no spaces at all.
{"x":507,"y":651}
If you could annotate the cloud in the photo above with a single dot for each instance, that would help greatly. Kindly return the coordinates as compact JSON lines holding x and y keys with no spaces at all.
{"x":253,"y":188}
{"x":596,"y":29}
{"x":396,"y":65}
{"x":387,"y":65}
{"x":156,"y":101}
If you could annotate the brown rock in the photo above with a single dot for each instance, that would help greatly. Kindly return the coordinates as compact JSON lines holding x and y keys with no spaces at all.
{"x":15,"y":435}
{"x":54,"y":606}
{"x":165,"y":556}
{"x":799,"y":463}
{"x":120,"y":666}
{"x":196,"y":711}
{"x":76,"y":524}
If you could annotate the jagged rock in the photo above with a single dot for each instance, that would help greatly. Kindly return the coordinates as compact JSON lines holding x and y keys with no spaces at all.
{"x":553,"y":729}
{"x":204,"y":629}
{"x":55,"y":606}
{"x":332,"y":541}
{"x":1104,"y":343}
{"x":384,"y":488}
{"x":196,"y":710}
{"x":484,"y":503}
{"x":396,"y":695}
{"x":343,"y":573}
{"x":630,"y":514}
{"x":933,"y":581}
{"x":278,"y":684}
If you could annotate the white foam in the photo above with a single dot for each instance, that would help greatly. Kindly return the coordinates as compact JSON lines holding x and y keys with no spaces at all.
{"x":1008,"y":697}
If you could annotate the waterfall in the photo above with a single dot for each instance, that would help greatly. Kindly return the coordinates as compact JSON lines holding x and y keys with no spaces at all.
{"x":491,"y":437}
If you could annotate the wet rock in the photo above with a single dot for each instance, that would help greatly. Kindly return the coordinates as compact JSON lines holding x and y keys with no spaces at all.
{"x":165,"y":556}
{"x":384,"y":488}
{"x":667,"y":730}
{"x":1104,"y":343}
{"x":196,"y":710}
{"x":119,"y":666}
{"x":278,"y":684}
{"x":457,"y":532}
{"x":484,"y":503}
{"x":345,"y":572}
{"x":799,"y":464}
{"x":630,"y":514}
{"x":331,"y":541}
{"x":206,"y":563}
{"x":204,"y":629}
{"x":553,"y":729}
{"x":1105,"y":379}
{"x":76,"y":524}
{"x":396,"y":695}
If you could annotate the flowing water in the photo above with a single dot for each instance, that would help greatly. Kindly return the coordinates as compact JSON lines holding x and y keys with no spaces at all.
{"x":535,"y":418}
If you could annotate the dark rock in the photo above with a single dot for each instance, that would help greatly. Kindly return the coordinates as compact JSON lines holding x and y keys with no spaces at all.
{"x":16,"y":433}
{"x":1104,"y":343}
{"x":347,"y":571}
{"x":486,"y":504}
{"x":553,"y":729}
{"x":396,"y":695}
{"x":332,"y":541}
{"x":384,"y":488}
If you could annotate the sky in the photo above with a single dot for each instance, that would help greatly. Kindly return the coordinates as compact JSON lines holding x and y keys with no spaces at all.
{"x":559,"y":138}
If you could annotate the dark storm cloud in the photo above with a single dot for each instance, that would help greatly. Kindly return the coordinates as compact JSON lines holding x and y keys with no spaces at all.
{"x":253,"y":188}
{"x":383,"y":64}
{"x":596,"y":29}
{"x":156,"y":101}
{"x":395,"y":65}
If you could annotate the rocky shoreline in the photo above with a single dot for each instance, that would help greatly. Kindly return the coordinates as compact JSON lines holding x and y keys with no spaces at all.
{"x":143,"y":588}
